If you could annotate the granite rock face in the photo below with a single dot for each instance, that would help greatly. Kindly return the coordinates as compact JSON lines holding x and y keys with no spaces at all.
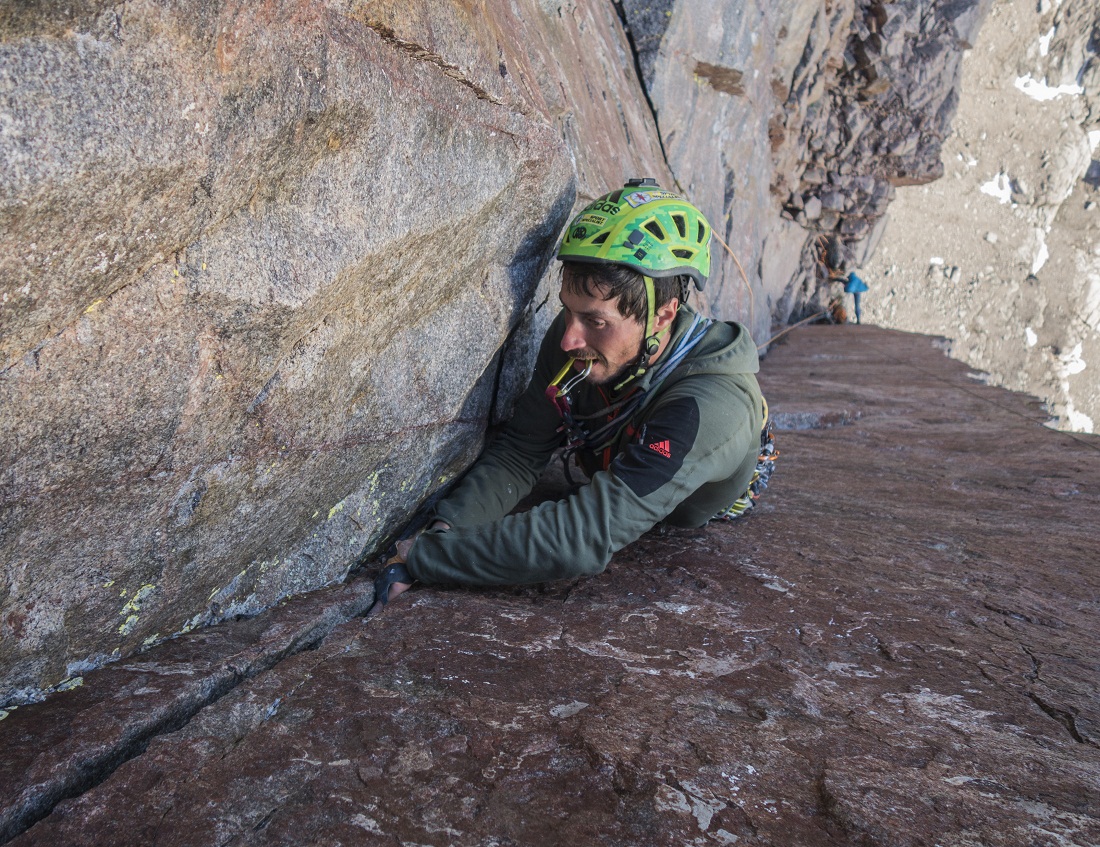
{"x":896,"y":648}
{"x":258,"y":266}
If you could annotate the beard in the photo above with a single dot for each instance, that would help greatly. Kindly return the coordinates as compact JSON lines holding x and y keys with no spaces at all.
{"x":610,"y":377}
{"x":613,"y":378}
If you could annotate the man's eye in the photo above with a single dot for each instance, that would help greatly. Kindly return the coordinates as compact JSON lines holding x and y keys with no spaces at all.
{"x":595,"y":323}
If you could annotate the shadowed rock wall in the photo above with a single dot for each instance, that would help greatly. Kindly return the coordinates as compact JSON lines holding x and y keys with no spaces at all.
{"x":268,"y":271}
{"x":258,"y":263}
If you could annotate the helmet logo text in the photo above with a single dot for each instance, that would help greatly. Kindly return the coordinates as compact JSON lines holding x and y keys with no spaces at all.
{"x":603,"y":206}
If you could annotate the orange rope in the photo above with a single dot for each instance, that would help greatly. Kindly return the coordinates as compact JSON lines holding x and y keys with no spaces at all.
{"x":736,"y":261}
{"x":789,"y":328}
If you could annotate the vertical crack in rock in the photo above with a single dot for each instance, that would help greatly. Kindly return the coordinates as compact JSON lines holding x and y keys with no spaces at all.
{"x":516,"y":355}
{"x":645,"y":24}
{"x":644,"y":27}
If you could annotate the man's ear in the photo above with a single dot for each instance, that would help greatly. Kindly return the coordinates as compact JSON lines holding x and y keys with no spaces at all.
{"x":665,"y":315}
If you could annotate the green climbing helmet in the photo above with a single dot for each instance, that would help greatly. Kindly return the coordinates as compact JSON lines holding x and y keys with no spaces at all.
{"x":655,"y":232}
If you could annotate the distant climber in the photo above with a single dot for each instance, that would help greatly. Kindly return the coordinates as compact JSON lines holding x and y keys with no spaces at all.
{"x":832,"y":259}
{"x":658,"y":405}
{"x":855,"y":286}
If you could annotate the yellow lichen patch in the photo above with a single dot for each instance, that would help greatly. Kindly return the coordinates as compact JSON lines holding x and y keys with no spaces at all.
{"x":132,"y":607}
{"x":70,"y":684}
{"x":95,"y":305}
{"x":339,"y":507}
{"x":108,"y":583}
{"x":152,"y":638}
{"x":134,"y":603}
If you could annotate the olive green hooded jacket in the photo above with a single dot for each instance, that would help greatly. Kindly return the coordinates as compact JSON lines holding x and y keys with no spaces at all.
{"x":686,"y":454}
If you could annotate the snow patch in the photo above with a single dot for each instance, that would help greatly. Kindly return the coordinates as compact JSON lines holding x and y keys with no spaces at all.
{"x":1091,"y":311}
{"x":1032,"y":338}
{"x":1079,"y":421}
{"x":1042,"y":254}
{"x":1042,"y":92}
{"x":1094,"y":139}
{"x":1044,"y":42}
{"x":1000,"y":187}
{"x":1070,"y":363}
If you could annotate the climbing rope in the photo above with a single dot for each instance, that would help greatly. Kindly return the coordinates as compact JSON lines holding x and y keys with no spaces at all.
{"x":744,"y":276}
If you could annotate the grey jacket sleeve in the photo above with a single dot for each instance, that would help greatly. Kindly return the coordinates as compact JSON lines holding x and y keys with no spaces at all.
{"x":674,"y":454}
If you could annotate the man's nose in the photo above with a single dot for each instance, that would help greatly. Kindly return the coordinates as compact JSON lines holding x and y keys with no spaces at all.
{"x":573,"y":337}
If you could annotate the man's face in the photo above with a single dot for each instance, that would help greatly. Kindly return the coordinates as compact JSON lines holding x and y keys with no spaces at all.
{"x":595,"y":330}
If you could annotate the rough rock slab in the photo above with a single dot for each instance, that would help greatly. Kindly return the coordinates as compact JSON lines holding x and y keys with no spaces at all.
{"x":898,"y":648}
{"x":73,"y":741}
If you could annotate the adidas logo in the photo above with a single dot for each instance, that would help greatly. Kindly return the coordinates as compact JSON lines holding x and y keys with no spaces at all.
{"x":661,"y":447}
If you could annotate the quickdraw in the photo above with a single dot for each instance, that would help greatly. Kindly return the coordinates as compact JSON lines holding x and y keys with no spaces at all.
{"x":765,"y":466}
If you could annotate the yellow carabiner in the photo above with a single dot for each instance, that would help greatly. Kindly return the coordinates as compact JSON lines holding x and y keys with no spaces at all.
{"x":561,"y":374}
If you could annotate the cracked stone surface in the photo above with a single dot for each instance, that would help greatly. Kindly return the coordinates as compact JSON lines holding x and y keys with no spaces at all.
{"x":897,"y":648}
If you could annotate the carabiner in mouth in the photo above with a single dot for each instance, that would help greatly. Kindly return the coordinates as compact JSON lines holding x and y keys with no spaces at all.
{"x":579,"y":377}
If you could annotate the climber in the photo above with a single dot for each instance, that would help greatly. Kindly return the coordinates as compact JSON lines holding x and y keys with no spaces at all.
{"x":657,"y":405}
{"x":855,"y":286}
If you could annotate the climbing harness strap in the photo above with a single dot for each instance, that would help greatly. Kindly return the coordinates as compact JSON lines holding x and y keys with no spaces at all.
{"x":765,"y":466}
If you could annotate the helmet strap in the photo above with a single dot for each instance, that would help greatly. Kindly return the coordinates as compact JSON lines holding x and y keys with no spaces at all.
{"x":651,"y":342}
{"x":651,"y":319}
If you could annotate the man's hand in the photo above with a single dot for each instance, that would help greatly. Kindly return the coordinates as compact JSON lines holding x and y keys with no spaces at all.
{"x":404,"y":547}
{"x":397,"y":588}
{"x":403,"y":550}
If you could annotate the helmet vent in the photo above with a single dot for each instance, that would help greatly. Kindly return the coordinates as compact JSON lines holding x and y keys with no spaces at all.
{"x":601,"y":238}
{"x":681,"y":225}
{"x":655,"y":228}
{"x":702,"y":233}
{"x":680,"y":253}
